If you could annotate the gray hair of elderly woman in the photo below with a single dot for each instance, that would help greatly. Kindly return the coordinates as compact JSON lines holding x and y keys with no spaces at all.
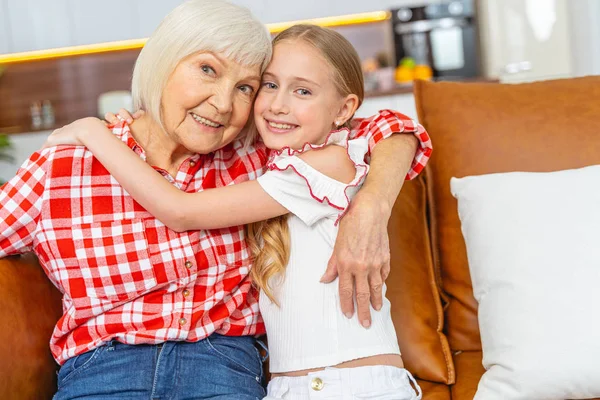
{"x":196,"y":26}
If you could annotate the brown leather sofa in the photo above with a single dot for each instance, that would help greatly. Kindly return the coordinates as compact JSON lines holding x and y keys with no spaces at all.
{"x":476,"y":128}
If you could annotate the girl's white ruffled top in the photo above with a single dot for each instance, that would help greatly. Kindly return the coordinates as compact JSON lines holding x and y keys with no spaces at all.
{"x":308,"y":329}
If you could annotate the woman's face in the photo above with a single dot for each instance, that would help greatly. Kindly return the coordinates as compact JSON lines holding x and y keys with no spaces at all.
{"x":207,"y":100}
{"x":298,"y":101}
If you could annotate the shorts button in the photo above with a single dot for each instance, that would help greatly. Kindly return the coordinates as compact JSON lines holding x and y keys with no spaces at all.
{"x":317,"y":384}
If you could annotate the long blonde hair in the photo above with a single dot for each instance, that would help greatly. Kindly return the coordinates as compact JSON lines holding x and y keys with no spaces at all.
{"x":269,"y":241}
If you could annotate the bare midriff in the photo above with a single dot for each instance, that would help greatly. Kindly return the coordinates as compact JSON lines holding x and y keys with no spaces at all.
{"x":394,"y":360}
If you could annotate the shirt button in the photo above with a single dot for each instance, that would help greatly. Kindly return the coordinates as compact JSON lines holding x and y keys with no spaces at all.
{"x":182,"y":321}
{"x":192,"y":163}
{"x":186,"y":293}
{"x":317,"y":384}
{"x":188,"y":264}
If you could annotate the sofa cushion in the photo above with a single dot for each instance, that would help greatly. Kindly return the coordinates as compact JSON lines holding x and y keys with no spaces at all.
{"x":532,"y":247}
{"x":434,"y":391}
{"x":469,"y":370}
{"x":481,"y":128}
{"x":29,"y":309}
{"x":412,"y":289}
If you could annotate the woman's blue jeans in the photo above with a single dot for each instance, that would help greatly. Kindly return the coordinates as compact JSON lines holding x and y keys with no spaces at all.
{"x":218,"y":367}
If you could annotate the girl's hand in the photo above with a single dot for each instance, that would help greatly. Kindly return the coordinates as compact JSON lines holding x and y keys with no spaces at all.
{"x":123,"y":115}
{"x":72,"y":134}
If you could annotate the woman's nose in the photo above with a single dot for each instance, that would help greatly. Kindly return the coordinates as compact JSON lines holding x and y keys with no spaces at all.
{"x":222,"y":100}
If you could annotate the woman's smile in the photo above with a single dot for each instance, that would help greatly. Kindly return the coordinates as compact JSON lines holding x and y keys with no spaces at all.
{"x":207,"y":125}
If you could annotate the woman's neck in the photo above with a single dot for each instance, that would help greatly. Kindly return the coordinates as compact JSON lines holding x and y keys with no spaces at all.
{"x":161,"y":151}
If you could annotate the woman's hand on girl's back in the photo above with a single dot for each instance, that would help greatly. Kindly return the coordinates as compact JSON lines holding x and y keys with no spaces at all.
{"x":361,"y":258}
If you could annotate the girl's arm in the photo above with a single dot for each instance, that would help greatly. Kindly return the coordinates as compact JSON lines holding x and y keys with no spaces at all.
{"x":214,"y":208}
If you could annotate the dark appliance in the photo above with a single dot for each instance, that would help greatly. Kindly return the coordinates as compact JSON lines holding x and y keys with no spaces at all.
{"x":442,"y":35}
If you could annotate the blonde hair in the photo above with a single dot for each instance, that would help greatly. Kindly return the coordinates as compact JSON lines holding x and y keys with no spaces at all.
{"x":269,"y":240}
{"x":196,"y":26}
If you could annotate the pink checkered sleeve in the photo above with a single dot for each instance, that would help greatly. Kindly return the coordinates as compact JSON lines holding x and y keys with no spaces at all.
{"x":20,"y":206}
{"x":388,"y":122}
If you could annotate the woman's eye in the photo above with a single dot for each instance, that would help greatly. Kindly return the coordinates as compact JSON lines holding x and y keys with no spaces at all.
{"x":269,"y":85}
{"x":303,"y":92}
{"x":207,"y":69}
{"x":247,"y":89}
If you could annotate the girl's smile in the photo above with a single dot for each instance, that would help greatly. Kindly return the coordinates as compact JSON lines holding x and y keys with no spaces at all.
{"x":276,"y":126}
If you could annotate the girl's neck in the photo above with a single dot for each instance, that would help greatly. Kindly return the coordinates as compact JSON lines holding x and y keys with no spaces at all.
{"x":161,"y":151}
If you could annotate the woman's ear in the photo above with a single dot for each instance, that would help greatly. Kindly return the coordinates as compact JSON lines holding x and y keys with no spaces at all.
{"x":347,"y":110}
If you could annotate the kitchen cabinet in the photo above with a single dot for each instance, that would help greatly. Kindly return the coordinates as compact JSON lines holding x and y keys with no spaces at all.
{"x":404,"y":103}
{"x":27,"y":25}
{"x":37,"y":25}
{"x":4,"y":28}
{"x":256,"y":7}
{"x":281,"y":11}
{"x":95,"y":21}
{"x":148,"y":14}
{"x":525,"y":40}
{"x":584,"y":20}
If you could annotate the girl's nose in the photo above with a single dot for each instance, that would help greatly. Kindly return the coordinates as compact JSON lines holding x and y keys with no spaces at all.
{"x":279,"y":104}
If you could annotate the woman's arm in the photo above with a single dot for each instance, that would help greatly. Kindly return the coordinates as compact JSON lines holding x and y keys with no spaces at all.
{"x":21,"y":201}
{"x":214,"y":208}
{"x":361,"y":256}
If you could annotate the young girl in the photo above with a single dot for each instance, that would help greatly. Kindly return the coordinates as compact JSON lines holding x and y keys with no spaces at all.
{"x":310,"y":91}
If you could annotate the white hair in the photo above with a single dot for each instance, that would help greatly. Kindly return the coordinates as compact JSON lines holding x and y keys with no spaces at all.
{"x":196,"y":26}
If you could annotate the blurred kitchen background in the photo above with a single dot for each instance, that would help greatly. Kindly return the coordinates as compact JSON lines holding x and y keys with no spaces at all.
{"x":65,"y":59}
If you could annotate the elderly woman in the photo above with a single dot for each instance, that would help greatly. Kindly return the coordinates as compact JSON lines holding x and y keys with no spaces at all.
{"x":152,"y":313}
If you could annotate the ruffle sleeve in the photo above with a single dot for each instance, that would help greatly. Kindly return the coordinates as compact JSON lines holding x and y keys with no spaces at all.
{"x":308,"y":193}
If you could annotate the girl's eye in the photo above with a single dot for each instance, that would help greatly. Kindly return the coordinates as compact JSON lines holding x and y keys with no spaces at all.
{"x":207,"y":69}
{"x":303,"y":92}
{"x":246,"y":89}
{"x":269,"y":85}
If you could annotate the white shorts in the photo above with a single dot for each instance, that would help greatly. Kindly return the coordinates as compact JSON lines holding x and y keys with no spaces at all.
{"x":380,"y":382}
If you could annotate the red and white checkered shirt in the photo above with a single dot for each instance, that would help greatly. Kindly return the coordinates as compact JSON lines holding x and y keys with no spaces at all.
{"x":123,"y":274}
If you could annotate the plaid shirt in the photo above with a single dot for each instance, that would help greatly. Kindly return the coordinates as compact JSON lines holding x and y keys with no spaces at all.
{"x":123,"y":274}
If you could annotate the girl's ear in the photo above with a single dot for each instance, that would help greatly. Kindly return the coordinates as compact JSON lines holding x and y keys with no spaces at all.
{"x":347,"y":110}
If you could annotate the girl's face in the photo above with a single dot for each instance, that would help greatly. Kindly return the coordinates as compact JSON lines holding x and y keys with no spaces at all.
{"x":298,"y":101}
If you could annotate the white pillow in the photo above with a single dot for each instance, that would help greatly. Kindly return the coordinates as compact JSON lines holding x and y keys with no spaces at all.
{"x":533,"y":244}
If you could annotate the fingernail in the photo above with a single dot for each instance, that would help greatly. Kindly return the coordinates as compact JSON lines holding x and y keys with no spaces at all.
{"x":366,"y":323}
{"x":129,"y":121}
{"x":348,"y":315}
